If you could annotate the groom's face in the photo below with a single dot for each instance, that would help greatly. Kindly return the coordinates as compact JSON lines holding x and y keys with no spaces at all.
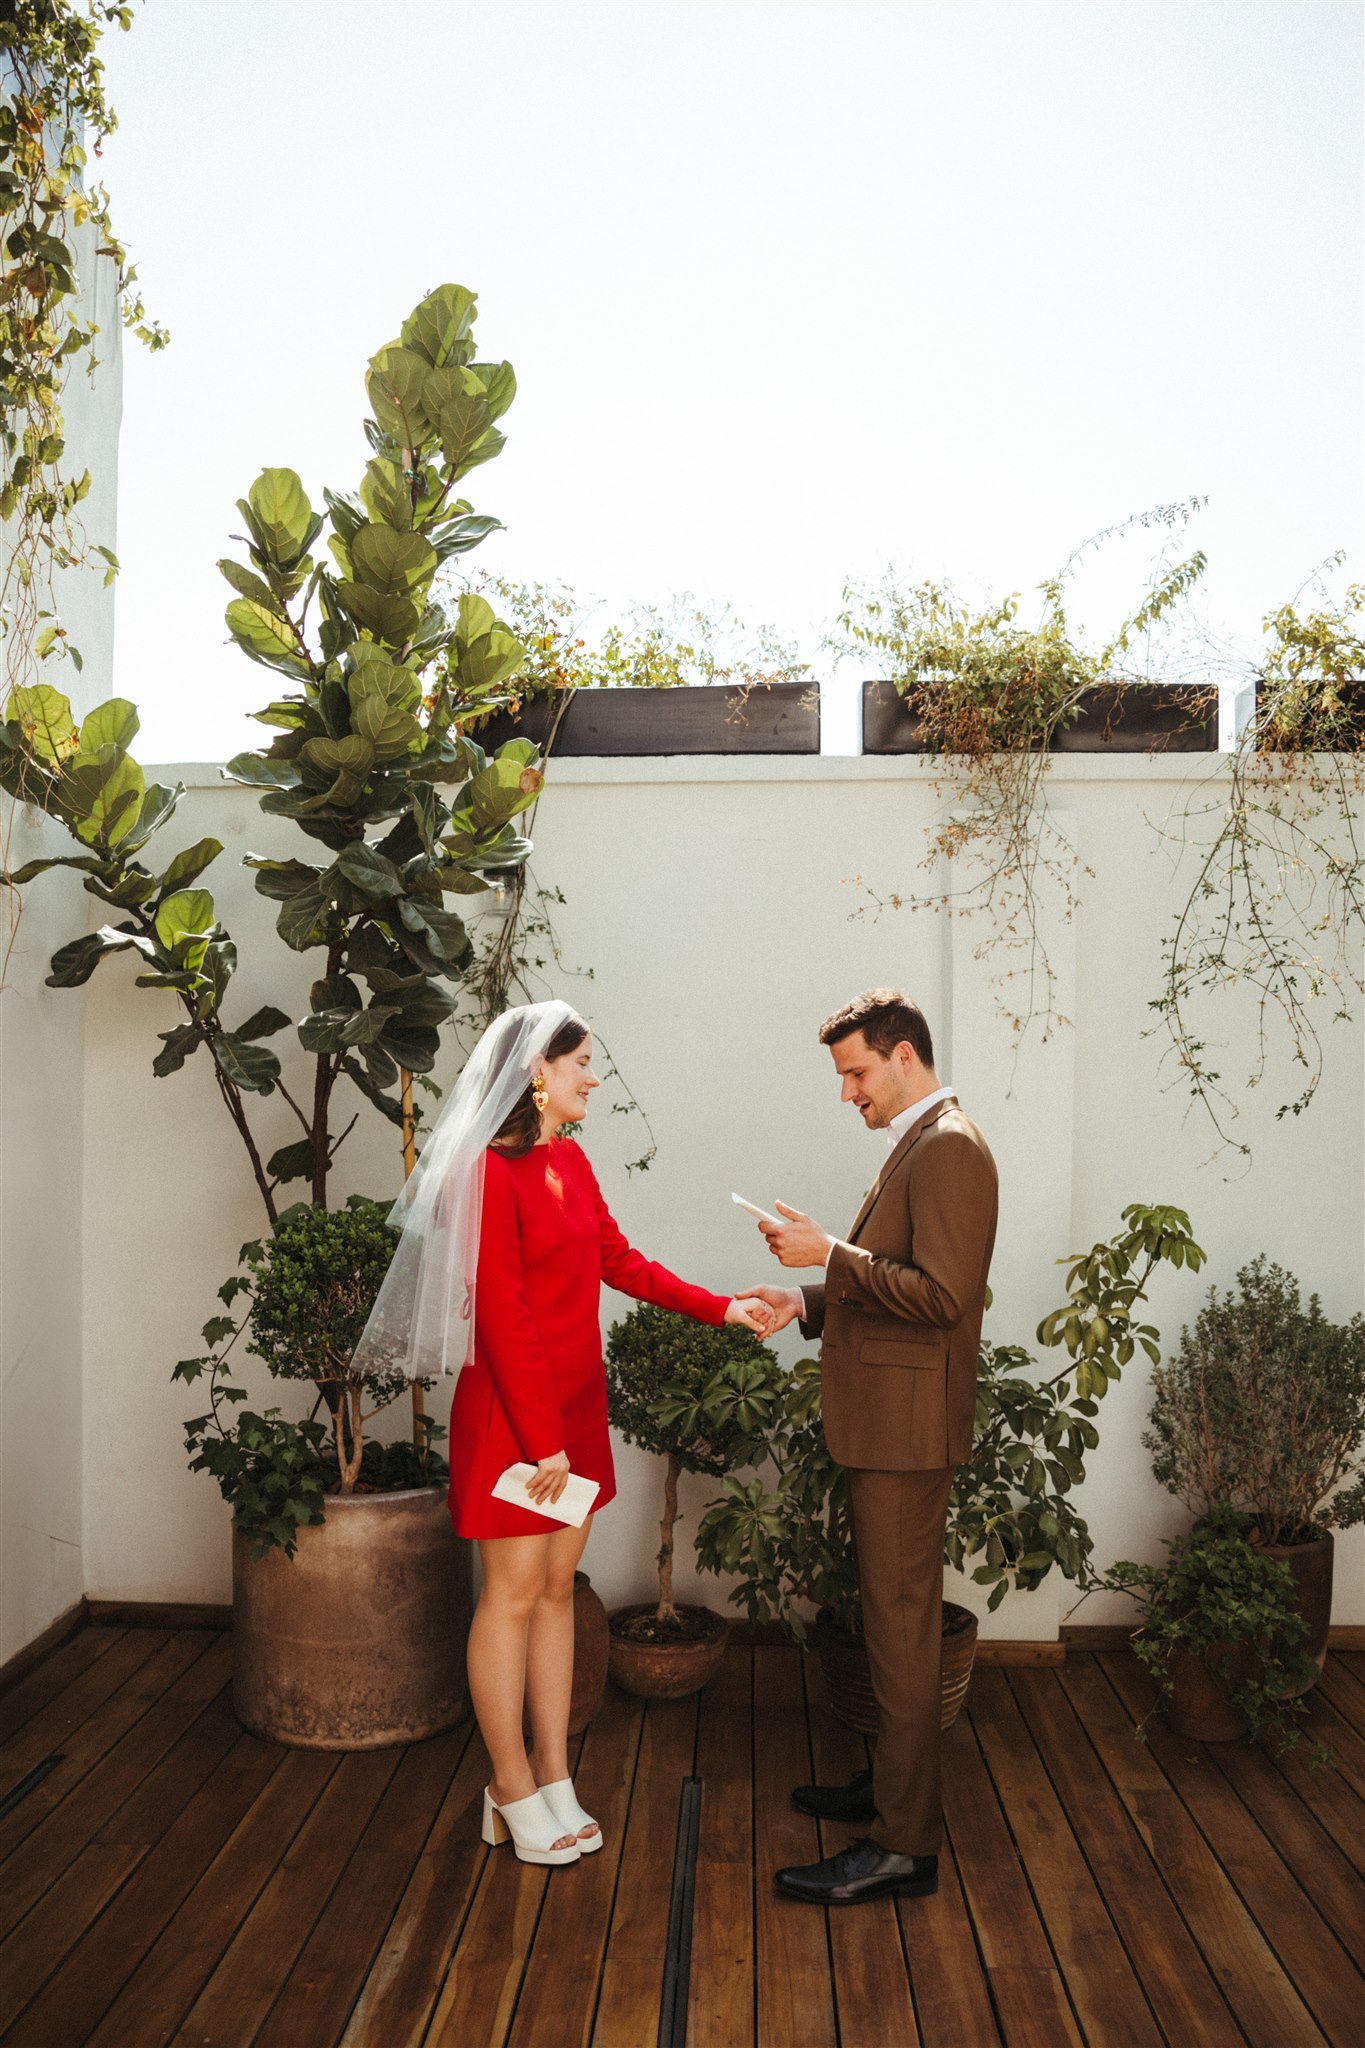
{"x":879,"y":1085}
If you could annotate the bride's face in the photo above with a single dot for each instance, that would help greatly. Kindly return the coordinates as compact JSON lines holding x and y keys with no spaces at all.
{"x":569,"y":1081}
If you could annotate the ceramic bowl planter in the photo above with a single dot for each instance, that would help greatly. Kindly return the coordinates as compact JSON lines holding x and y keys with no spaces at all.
{"x":1310,"y":1567}
{"x":842,"y":1657}
{"x":656,"y":1664}
{"x":358,"y":1640}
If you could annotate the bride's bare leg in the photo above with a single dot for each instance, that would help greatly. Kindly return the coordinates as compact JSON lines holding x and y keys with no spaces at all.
{"x":549,"y":1656}
{"x":514,"y":1576}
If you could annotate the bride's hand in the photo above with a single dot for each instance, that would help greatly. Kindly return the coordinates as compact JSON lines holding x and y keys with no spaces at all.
{"x":549,"y":1479}
{"x":751,"y":1315}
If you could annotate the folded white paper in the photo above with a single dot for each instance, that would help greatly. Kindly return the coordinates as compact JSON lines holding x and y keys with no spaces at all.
{"x":573,"y":1506}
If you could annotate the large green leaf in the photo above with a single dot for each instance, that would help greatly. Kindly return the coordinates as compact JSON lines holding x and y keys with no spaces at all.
{"x":292,"y":1162}
{"x":89,"y":862}
{"x":188,"y":911}
{"x":302,"y":921}
{"x":392,"y":563}
{"x":45,"y":718}
{"x":76,"y":961}
{"x":191,"y":862}
{"x":347,"y":762}
{"x":247,"y":583}
{"x":265,"y":636}
{"x":216,"y":969}
{"x":386,"y":496}
{"x":158,"y":804}
{"x":113,"y":724}
{"x":474,"y":616}
{"x":281,"y":879}
{"x":176,"y":1047}
{"x":369,"y":871}
{"x":383,"y":698}
{"x":262,"y":771}
{"x":332,"y":1030}
{"x":394,"y":384}
{"x":499,"y":384}
{"x":253,"y":1067}
{"x":413,"y":1046}
{"x":284,"y":518}
{"x":440,"y":929}
{"x":386,"y":614}
{"x":388,"y":1104}
{"x":439,"y":328}
{"x":261,"y":1023}
{"x":507,"y":785}
{"x":488,"y":661}
{"x":455,"y":403}
{"x":458,"y":536}
{"x":102,"y":793}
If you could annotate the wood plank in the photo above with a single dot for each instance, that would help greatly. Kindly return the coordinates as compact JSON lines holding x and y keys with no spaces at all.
{"x":1268,"y":2009}
{"x":871,"y":1981}
{"x":720,"y":2012}
{"x":952,"y":2001}
{"x":168,"y":1979}
{"x":990,"y":1656}
{"x":402,"y":1988}
{"x":1314,"y":1960}
{"x":65,"y":1832}
{"x":98,"y":1734}
{"x":31,"y":1693}
{"x":480,"y":1992}
{"x":794,"y":1991}
{"x":628,"y":2007}
{"x":1337,"y":1808}
{"x":49,"y":1731}
{"x":1184,"y":1994}
{"x":1322,"y":1723}
{"x":1107,"y":1996}
{"x":1027,"y":1992}
{"x":324,"y":1983}
{"x":76,"y":1997}
{"x":559,"y":1992}
{"x":1345,"y":1691}
{"x":1328,"y":1877}
{"x":238,"y":1996}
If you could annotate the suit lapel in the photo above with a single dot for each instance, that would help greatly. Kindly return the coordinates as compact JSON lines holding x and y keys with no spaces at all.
{"x":894,"y":1163}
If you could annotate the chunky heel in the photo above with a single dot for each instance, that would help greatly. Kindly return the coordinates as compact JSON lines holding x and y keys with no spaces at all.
{"x":530,"y":1826}
{"x":563,"y":1804}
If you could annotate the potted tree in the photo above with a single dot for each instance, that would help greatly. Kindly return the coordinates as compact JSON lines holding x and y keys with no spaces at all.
{"x":702,"y":1400}
{"x":301,"y":1302}
{"x":788,"y":1537}
{"x":1221,"y":1632}
{"x":398,"y":810}
{"x":1262,"y":1409}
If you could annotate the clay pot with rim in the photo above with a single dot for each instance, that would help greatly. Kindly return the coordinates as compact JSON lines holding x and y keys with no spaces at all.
{"x":591,"y":1648}
{"x":842,"y":1657}
{"x":1197,"y":1705}
{"x":358,"y":1640}
{"x":666,"y":1668}
{"x":1310,"y":1565}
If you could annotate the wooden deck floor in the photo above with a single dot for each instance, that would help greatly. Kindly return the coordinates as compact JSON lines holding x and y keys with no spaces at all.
{"x":174,"y":1880}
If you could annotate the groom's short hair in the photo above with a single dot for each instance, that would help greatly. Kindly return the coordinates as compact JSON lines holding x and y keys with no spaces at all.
{"x":885,"y":1017}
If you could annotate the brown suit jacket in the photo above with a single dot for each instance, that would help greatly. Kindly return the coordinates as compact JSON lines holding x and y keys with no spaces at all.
{"x":901,"y":1305}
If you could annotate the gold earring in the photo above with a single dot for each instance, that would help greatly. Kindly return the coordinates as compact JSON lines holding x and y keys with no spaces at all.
{"x":539,"y":1093}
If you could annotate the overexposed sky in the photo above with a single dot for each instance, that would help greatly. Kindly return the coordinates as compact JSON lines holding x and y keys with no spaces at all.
{"x":791,"y":291}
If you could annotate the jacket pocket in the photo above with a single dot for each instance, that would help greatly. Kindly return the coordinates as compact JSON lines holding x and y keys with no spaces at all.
{"x":896,"y":1351}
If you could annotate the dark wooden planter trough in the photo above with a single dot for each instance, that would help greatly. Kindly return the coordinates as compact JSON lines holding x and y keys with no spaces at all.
{"x":1171,"y":718}
{"x":781,"y":719}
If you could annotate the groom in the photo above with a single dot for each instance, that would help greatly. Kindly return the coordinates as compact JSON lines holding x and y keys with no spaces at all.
{"x":899,"y":1311}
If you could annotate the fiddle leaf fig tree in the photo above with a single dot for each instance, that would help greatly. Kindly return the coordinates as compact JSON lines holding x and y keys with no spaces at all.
{"x":398,"y":810}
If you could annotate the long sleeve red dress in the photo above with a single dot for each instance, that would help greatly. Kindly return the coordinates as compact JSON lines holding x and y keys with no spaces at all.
{"x":537,"y":1384}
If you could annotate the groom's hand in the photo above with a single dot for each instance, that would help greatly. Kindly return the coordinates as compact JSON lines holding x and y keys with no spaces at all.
{"x":799,"y":1242}
{"x":785,"y":1302}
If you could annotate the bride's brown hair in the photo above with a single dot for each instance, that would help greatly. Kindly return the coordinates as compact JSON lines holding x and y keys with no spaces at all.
{"x":521,"y":1129}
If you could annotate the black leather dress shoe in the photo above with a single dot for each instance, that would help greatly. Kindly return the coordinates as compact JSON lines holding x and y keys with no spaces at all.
{"x":862,"y":1871}
{"x":851,"y":1802}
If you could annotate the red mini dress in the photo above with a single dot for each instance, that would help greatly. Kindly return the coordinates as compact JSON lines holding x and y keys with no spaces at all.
{"x":537,"y":1384}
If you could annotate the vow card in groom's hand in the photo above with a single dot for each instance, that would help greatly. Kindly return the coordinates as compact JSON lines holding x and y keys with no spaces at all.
{"x":754,"y":1210}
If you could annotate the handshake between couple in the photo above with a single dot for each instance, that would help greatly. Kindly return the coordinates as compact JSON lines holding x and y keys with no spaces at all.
{"x":798,"y":1241}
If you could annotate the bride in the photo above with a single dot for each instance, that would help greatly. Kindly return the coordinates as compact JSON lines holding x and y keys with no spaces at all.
{"x":506,"y":1242}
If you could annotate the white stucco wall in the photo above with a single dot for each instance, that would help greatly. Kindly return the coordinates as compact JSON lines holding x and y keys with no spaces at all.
{"x":42,"y":1570}
{"x":714,"y":902}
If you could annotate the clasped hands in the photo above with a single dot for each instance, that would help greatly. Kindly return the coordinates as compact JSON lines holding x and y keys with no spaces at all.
{"x":800,"y":1241}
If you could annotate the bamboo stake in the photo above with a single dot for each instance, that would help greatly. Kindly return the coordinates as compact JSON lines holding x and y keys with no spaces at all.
{"x":419,"y":1400}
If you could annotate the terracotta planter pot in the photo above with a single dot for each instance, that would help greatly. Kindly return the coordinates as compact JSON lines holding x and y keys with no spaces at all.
{"x":1198,"y":1705}
{"x":842,"y":1657}
{"x":591,"y":1645}
{"x":358,"y":1641}
{"x":667,"y":1671}
{"x":1311,"y":1567}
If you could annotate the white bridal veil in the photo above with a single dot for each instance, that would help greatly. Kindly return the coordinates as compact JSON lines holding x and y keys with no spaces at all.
{"x":422,"y":1321}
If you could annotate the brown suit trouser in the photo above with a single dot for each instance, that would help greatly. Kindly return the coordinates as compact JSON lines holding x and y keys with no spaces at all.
{"x":898,"y":1525}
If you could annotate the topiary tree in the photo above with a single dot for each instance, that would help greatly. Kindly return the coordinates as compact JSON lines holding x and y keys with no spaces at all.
{"x":699,"y":1398}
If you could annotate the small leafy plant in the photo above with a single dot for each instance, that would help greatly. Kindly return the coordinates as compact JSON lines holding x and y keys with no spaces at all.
{"x":307,"y":1292}
{"x":701,"y":1398}
{"x":1219,"y":1598}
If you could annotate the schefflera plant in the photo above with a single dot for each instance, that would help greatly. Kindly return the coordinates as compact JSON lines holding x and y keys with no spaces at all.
{"x":369,"y":761}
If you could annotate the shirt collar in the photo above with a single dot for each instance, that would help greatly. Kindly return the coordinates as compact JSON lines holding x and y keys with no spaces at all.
{"x":899,"y":1125}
